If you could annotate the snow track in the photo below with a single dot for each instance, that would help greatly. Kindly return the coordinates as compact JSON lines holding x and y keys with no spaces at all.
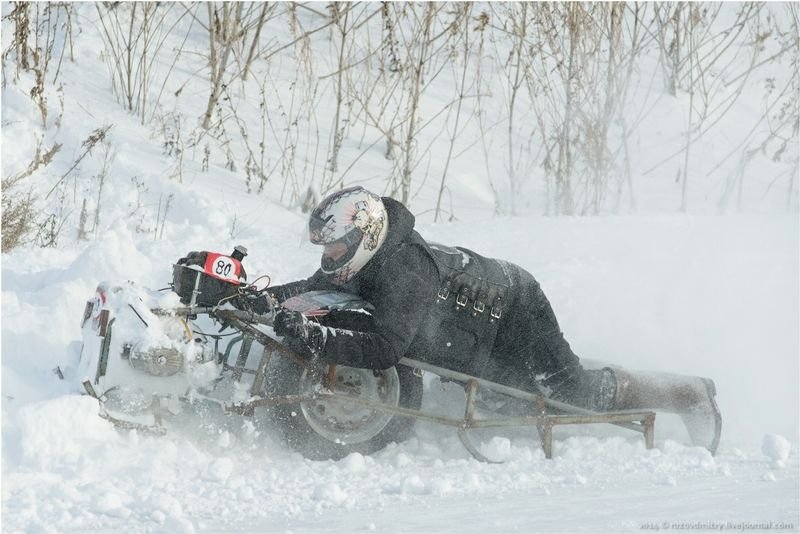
{"x":75,"y":473}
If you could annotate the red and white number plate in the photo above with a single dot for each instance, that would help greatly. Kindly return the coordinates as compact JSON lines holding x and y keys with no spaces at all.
{"x":223,"y":267}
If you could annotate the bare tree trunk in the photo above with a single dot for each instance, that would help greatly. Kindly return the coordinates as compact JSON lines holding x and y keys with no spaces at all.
{"x":415,"y":93}
{"x":266,"y":8}
{"x":129,"y":51}
{"x":520,"y":35}
{"x":564,"y":167}
{"x":689,"y":141}
{"x":82,"y":222}
{"x":463,"y":18}
{"x":226,"y":31}
{"x":337,"y":131}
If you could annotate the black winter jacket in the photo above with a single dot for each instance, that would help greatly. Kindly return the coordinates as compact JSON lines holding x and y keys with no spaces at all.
{"x":449,"y":307}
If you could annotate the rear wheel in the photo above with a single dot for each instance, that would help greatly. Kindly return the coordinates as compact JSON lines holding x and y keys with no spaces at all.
{"x":331,"y":429}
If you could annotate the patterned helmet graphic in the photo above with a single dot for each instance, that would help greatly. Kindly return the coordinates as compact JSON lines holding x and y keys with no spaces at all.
{"x":351,"y":224}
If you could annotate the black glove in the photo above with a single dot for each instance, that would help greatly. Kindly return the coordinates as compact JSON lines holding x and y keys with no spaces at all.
{"x":290,"y":323}
{"x":287,"y":291}
{"x":294,"y":325}
{"x":252,"y":302}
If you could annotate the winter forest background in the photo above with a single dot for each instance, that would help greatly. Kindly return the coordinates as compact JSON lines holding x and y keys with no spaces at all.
{"x":640,"y":159}
{"x":504,"y":108}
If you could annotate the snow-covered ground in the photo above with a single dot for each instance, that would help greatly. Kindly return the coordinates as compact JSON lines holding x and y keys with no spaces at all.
{"x":701,"y":295}
{"x":714,"y":296}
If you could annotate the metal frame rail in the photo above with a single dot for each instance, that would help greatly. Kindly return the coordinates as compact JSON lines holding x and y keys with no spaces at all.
{"x":641,"y":421}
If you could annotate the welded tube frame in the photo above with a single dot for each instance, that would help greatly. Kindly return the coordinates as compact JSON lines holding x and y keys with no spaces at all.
{"x":645,"y":419}
{"x":642,"y":421}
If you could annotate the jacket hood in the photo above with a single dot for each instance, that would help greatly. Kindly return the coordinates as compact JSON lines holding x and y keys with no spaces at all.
{"x":401,"y":223}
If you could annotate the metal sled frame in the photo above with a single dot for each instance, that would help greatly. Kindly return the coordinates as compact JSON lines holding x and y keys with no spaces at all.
{"x":547,"y":412}
{"x":641,"y":421}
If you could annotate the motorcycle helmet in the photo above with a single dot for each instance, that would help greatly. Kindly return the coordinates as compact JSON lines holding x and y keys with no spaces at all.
{"x":351,"y":224}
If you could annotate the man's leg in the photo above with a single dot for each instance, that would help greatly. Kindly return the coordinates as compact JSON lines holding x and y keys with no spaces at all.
{"x":532,"y":340}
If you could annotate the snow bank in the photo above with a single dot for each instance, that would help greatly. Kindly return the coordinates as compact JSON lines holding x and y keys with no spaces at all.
{"x":59,"y":431}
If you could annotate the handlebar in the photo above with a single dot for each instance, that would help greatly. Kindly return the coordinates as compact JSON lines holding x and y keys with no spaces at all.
{"x":219,"y":313}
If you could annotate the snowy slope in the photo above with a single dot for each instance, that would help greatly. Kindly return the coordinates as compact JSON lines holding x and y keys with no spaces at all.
{"x":715,"y":296}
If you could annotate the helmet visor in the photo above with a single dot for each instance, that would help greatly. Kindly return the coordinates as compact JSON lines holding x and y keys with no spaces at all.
{"x":337,"y":253}
{"x":316,"y":226}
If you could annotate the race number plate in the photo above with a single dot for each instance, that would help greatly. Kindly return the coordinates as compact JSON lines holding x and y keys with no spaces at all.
{"x":223,"y":267}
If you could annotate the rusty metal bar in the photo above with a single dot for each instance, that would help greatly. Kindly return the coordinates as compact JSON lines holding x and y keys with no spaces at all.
{"x":263,"y":363}
{"x":455,"y":375}
{"x":593,"y":417}
{"x":469,"y":409}
{"x":646,"y":420}
{"x":120,"y":423}
{"x":243,"y":370}
{"x":639,"y":421}
{"x":241,"y":359}
{"x":468,"y":422}
{"x":130,"y":425}
{"x":469,"y":412}
{"x":507,"y":390}
{"x":610,"y":417}
{"x":649,"y":431}
{"x":102,"y":323}
{"x":268,"y":342}
{"x":547,"y":438}
{"x":568,"y":419}
{"x":330,"y":377}
{"x":248,"y":408}
{"x":87,"y":385}
{"x":472,"y":449}
{"x":541,"y":409}
{"x":396,"y":410}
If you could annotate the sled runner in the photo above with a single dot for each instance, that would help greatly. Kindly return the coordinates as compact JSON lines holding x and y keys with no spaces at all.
{"x":144,"y":354}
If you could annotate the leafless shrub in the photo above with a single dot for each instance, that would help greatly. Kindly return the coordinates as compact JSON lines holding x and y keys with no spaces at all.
{"x":227,"y":26}
{"x":92,"y":140}
{"x":19,"y":45}
{"x":349,"y":35}
{"x":83,"y":219}
{"x":267,"y":10}
{"x":138,"y":207}
{"x":38,"y":28}
{"x":559,"y":101}
{"x":19,"y":209}
{"x":518,"y":21}
{"x":101,"y":177}
{"x":282,"y":114}
{"x":776,"y":134}
{"x":173,"y":139}
{"x":41,"y":158}
{"x":164,"y":205}
{"x":461,"y":48}
{"x":18,"y":218}
{"x":134,"y":34}
{"x":48,"y":230}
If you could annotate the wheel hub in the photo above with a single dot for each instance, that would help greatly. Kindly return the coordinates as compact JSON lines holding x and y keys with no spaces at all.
{"x":344,"y":422}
